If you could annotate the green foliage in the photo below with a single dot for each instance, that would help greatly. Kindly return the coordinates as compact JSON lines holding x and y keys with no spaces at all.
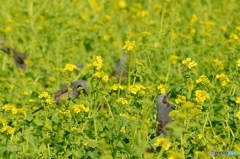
{"x":189,"y":47}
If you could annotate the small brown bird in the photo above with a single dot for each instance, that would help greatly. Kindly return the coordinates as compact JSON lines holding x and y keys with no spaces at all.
{"x":64,"y":93}
{"x":18,"y":57}
{"x":163,"y":110}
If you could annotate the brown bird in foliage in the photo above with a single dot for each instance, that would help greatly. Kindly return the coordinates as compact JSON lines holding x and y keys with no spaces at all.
{"x":18,"y":57}
{"x":163,"y":110}
{"x":64,"y":92}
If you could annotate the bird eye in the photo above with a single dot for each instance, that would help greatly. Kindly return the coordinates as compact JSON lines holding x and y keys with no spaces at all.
{"x":165,"y":100}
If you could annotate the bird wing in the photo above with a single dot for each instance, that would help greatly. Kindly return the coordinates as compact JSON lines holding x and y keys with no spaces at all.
{"x":60,"y":92}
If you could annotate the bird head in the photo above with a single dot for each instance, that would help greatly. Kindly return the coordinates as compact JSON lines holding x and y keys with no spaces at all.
{"x":163,"y":99}
{"x":80,"y":83}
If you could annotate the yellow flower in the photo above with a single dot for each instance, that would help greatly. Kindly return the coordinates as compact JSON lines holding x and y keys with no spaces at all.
{"x":218,"y":64}
{"x":204,"y":80}
{"x":189,"y":63}
{"x":49,"y":101}
{"x":116,"y":87}
{"x":31,"y":101}
{"x":238,"y":115}
{"x":8,"y":129}
{"x":11,"y":108}
{"x":129,"y":45}
{"x":180,"y":99}
{"x":97,"y":74}
{"x":123,"y":130}
{"x":44,"y":95}
{"x":162,"y":88}
{"x":174,"y":155}
{"x":238,"y":63}
{"x":134,"y":89}
{"x":122,"y":4}
{"x":193,"y":19}
{"x":52,"y":79}
{"x":74,"y":129}
{"x":174,"y":59}
{"x":25,"y":93}
{"x":77,"y":108}
{"x":201,"y":96}
{"x":105,"y":78}
{"x":122,"y":101}
{"x":238,"y":100}
{"x":98,"y":63}
{"x":200,"y":136}
{"x":70,"y":67}
{"x":223,"y":78}
{"x":163,"y":142}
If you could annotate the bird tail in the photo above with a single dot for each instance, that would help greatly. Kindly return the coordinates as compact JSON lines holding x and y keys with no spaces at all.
{"x":160,"y":128}
{"x":40,"y":108}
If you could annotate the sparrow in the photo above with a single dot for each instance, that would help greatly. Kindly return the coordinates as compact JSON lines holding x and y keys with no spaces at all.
{"x":64,"y":93}
{"x":163,"y":110}
{"x":18,"y":57}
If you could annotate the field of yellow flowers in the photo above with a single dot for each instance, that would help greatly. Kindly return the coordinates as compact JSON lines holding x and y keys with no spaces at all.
{"x":189,"y":47}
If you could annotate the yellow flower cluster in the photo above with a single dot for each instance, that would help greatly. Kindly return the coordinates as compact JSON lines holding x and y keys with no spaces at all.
{"x":77,"y":108}
{"x":8,"y":129}
{"x":237,"y":100}
{"x":223,"y":78}
{"x":45,"y":96}
{"x":189,"y":63}
{"x":176,"y":115}
{"x":123,"y":129}
{"x":193,"y":19}
{"x":201,"y":96}
{"x":11,"y":108}
{"x":132,"y":118}
{"x":238,"y":63}
{"x":238,"y":115}
{"x":174,"y":59}
{"x":65,"y":112}
{"x":97,"y":63}
{"x":70,"y":68}
{"x":101,"y":75}
{"x":129,"y":45}
{"x":180,"y":99}
{"x":163,"y":142}
{"x":218,"y":64}
{"x":162,"y":88}
{"x":116,"y":87}
{"x":122,"y":101}
{"x":137,"y":88}
{"x":204,"y":80}
{"x":174,"y":155}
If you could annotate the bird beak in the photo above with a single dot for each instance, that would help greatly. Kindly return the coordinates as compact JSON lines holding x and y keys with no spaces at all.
{"x":168,"y":93}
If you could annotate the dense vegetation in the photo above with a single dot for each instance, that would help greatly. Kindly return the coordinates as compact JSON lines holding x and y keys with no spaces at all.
{"x":189,"y":47}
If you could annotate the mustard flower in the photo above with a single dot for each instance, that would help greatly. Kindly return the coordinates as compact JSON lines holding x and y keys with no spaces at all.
{"x":129,"y":45}
{"x":204,"y":80}
{"x":162,"y":88}
{"x":189,"y":63}
{"x":201,"y":96}
{"x":238,"y":115}
{"x":190,"y":85}
{"x":65,"y":112}
{"x":134,"y":89}
{"x":77,"y":108}
{"x":44,"y":95}
{"x":193,"y":19}
{"x":8,"y":129}
{"x":180,"y":99}
{"x":238,"y":100}
{"x":11,"y":108}
{"x":238,"y":62}
{"x":70,"y":67}
{"x":218,"y":64}
{"x":145,"y":33}
{"x":105,"y":78}
{"x":25,"y":93}
{"x":174,"y":59}
{"x":123,"y":130}
{"x":163,"y":142}
{"x":98,"y":63}
{"x":74,"y":129}
{"x":174,"y":155}
{"x":116,"y":87}
{"x":122,"y":101}
{"x":97,"y":74}
{"x":223,"y":78}
{"x":122,"y":4}
{"x":200,"y":136}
